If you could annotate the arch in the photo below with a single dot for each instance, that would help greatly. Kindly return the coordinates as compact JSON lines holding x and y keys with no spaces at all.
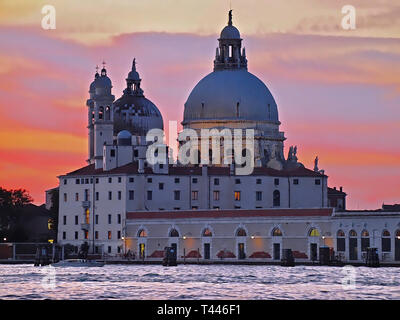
{"x":385,"y":233}
{"x":108,"y":113}
{"x":240,"y":232}
{"x":142,"y":233}
{"x":352,"y":233}
{"x":276,"y":232}
{"x":173,"y":233}
{"x":101,"y":113}
{"x":277,"y":198}
{"x":206,"y":232}
{"x":364,"y":233}
{"x":313,"y":232}
{"x":340,"y":233}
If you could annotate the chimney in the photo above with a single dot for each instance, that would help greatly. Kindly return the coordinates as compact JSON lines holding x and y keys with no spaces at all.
{"x":141,"y":166}
{"x":334,"y":188}
{"x":341,"y":189}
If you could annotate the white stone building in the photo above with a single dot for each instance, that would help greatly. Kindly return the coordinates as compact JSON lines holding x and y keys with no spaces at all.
{"x":120,"y":201}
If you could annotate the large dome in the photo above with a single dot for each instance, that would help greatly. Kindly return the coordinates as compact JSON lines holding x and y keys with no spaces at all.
{"x":232,"y":94}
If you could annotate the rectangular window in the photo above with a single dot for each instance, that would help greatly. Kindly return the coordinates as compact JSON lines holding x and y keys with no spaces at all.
{"x":364,"y":244}
{"x":87,"y":181}
{"x":341,"y":244}
{"x":237,"y":195}
{"x":119,"y":195}
{"x":131,"y":180}
{"x":109,"y":195}
{"x":109,"y":180}
{"x":97,"y":196}
{"x":317,"y":182}
{"x":91,"y":180}
{"x":176,"y":180}
{"x":64,"y":235}
{"x":82,"y":181}
{"x":109,"y":235}
{"x":96,"y":234}
{"x":96,"y":219}
{"x":216,"y":182}
{"x":194,"y":180}
{"x":161,"y":186}
{"x":77,"y":181}
{"x":258,"y":195}
{"x":76,"y":196}
{"x":65,"y":181}
{"x":119,"y":235}
{"x":386,"y":244}
{"x":295,"y":181}
{"x":177,"y":195}
{"x":276,"y":181}
{"x":149,"y":180}
{"x":237,"y":181}
{"x":86,"y":194}
{"x":177,"y":208}
{"x":216,"y":195}
{"x":109,"y":219}
{"x":97,"y":180}
{"x":195,"y":195}
{"x":119,"y":179}
{"x":76,"y":220}
{"x":109,"y":249}
{"x":112,"y":153}
{"x":258,"y":181}
{"x":149,"y":195}
{"x":65,"y":197}
{"x":136,"y":153}
{"x":119,"y":219}
{"x":76,"y":235}
{"x":86,"y":234}
{"x":64,"y":220}
{"x":131,"y":194}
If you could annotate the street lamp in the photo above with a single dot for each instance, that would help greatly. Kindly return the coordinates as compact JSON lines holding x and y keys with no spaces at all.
{"x":323,"y":238}
{"x":5,"y":239}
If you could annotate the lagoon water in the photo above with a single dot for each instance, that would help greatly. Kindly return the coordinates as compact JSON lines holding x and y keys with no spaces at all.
{"x":198,"y":282}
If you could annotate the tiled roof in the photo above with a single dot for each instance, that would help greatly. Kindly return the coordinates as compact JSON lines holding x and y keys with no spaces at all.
{"x":132,"y":168}
{"x":238,"y":213}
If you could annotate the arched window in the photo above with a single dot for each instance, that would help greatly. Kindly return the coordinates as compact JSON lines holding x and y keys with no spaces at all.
{"x":101,"y":112}
{"x":386,"y":241}
{"x":352,"y":234}
{"x":241,"y":232}
{"x":364,"y":240}
{"x":108,"y":116}
{"x":174,"y":233}
{"x":340,"y":241}
{"x":207,"y":233}
{"x":277,"y":232}
{"x":142,"y":233}
{"x":277,"y":198}
{"x":313,"y":232}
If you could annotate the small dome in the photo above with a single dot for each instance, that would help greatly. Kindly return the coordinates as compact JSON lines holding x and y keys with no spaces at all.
{"x":124,"y":138}
{"x":103,"y":82}
{"x":230,"y":32}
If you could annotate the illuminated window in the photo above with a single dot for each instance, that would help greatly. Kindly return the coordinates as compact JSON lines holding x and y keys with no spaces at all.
{"x":87,"y":215}
{"x":352,"y":234}
{"x":86,"y":234}
{"x":313,"y":233}
{"x":241,"y":232}
{"x":109,"y":235}
{"x":195,"y":195}
{"x":237,"y":195}
{"x":216,"y":195}
{"x":277,"y":232}
{"x":142,"y":233}
{"x":207,"y":233}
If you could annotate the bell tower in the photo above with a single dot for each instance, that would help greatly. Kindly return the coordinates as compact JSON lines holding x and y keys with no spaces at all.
{"x":100,"y":117}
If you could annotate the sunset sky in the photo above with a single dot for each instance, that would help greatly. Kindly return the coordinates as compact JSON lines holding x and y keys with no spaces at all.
{"x":338,"y":91}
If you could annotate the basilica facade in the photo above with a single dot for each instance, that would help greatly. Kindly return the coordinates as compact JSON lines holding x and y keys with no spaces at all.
{"x":122,"y":202}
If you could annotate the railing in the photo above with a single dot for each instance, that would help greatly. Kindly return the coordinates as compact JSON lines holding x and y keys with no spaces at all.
{"x":85,"y":226}
{"x":86,"y":204}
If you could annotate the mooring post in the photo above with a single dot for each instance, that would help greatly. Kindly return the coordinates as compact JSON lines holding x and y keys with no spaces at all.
{"x":184,"y":255}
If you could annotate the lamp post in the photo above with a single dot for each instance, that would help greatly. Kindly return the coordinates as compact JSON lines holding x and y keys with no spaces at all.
{"x":323,"y":238}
